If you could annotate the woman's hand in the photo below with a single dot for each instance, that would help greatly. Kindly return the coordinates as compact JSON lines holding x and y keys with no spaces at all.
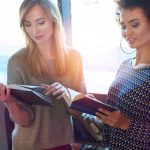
{"x":5,"y":95}
{"x":56,"y":89}
{"x":114,"y":119}
{"x":18,"y":113}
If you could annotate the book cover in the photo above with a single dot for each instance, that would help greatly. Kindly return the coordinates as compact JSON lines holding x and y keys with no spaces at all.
{"x":31,"y":94}
{"x":86,"y":131}
{"x":85,"y":103}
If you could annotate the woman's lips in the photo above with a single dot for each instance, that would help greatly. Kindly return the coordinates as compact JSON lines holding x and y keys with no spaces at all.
{"x":38,"y":37}
{"x":131,"y":40}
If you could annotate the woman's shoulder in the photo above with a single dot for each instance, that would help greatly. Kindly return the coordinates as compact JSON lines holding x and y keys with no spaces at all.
{"x":18,"y":56}
{"x":127,"y":63}
{"x":74,"y":53}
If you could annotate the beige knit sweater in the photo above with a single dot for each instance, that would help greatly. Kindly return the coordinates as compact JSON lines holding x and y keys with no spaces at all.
{"x":52,"y":126}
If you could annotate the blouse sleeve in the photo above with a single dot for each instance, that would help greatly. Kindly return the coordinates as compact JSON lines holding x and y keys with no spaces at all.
{"x":140,"y":130}
{"x":140,"y":123}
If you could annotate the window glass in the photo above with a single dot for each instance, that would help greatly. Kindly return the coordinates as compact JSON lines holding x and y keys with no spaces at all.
{"x":11,"y":37}
{"x":96,"y":34}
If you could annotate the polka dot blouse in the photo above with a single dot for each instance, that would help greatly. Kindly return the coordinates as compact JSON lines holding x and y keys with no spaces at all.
{"x":130,"y":92}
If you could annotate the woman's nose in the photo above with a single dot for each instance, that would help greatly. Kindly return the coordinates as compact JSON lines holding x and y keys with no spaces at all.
{"x":35,"y":29}
{"x":128,"y":31}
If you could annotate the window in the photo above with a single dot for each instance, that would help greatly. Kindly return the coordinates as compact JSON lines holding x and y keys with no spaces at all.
{"x":96,"y":34}
{"x":11,"y":37}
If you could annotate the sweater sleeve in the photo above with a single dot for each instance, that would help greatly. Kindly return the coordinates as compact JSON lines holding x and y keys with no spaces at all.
{"x":77,"y":71}
{"x":13,"y":74}
{"x":81,"y":86}
{"x":14,"y":77}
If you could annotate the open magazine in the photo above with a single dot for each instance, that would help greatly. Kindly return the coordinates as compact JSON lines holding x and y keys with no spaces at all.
{"x":31,"y":94}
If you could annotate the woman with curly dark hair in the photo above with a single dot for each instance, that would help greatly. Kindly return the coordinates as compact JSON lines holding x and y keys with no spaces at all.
{"x":128,"y":128}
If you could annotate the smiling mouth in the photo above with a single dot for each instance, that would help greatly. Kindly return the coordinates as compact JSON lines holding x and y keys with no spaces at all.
{"x":38,"y":37}
{"x":131,"y":40}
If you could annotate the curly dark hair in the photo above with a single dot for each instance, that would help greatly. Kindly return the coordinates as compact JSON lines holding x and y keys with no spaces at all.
{"x":130,"y":4}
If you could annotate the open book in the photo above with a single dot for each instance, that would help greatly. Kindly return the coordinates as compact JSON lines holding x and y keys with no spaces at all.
{"x":85,"y":103}
{"x":31,"y":94}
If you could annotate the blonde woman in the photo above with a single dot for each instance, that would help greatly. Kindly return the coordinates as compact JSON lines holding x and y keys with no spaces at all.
{"x":47,"y":60}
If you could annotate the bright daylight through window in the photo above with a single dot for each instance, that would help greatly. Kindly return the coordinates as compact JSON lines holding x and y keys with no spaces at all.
{"x":11,"y":38}
{"x":95,"y":34}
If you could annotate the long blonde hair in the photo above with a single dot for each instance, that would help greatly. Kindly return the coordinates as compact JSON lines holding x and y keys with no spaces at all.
{"x":36,"y":66}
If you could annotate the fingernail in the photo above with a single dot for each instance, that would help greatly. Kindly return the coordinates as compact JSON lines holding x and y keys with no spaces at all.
{"x":53,"y":93}
{"x":100,"y":109}
{"x":46,"y":93}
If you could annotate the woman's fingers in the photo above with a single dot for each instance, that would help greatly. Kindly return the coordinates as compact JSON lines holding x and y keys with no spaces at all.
{"x":4,"y":92}
{"x":55,"y":89}
{"x":91,"y":96}
{"x":59,"y":91}
{"x":105,"y":112}
{"x":106,"y":117}
{"x":7,"y":92}
{"x":60,"y":96}
{"x":110,"y":118}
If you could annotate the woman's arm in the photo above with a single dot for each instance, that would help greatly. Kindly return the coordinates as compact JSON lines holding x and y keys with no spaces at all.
{"x":140,"y":129}
{"x":18,"y":114}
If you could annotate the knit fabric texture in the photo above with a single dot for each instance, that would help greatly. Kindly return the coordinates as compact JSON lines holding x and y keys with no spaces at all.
{"x":51,"y":127}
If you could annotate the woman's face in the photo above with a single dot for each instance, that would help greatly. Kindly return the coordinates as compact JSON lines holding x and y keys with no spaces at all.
{"x":135,"y":27}
{"x":38,"y":26}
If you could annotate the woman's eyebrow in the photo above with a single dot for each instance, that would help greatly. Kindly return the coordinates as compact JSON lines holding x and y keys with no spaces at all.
{"x":35,"y":20}
{"x":133,"y":20}
{"x":40,"y":19}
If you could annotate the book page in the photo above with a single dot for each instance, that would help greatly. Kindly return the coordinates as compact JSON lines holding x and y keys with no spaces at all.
{"x":38,"y":89}
{"x":74,"y":95}
{"x":17,"y":87}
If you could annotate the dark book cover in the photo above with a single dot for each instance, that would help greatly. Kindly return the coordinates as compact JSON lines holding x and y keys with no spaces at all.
{"x":31,"y":94}
{"x":90,"y":106}
{"x":86,"y":103}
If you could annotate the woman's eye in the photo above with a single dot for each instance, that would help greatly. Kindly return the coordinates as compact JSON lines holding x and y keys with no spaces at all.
{"x":41,"y":22}
{"x":135,"y":25}
{"x":27,"y":25}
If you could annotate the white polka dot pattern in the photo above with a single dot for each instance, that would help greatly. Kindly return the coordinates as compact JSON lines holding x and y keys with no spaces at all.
{"x":130,"y":92}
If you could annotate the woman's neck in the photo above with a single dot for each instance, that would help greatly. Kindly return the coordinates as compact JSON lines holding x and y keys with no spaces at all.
{"x":46,"y":51}
{"x":142,"y":59}
{"x":143,"y":56}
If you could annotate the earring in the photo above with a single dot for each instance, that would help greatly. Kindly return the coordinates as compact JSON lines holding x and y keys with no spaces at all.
{"x":123,"y":49}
